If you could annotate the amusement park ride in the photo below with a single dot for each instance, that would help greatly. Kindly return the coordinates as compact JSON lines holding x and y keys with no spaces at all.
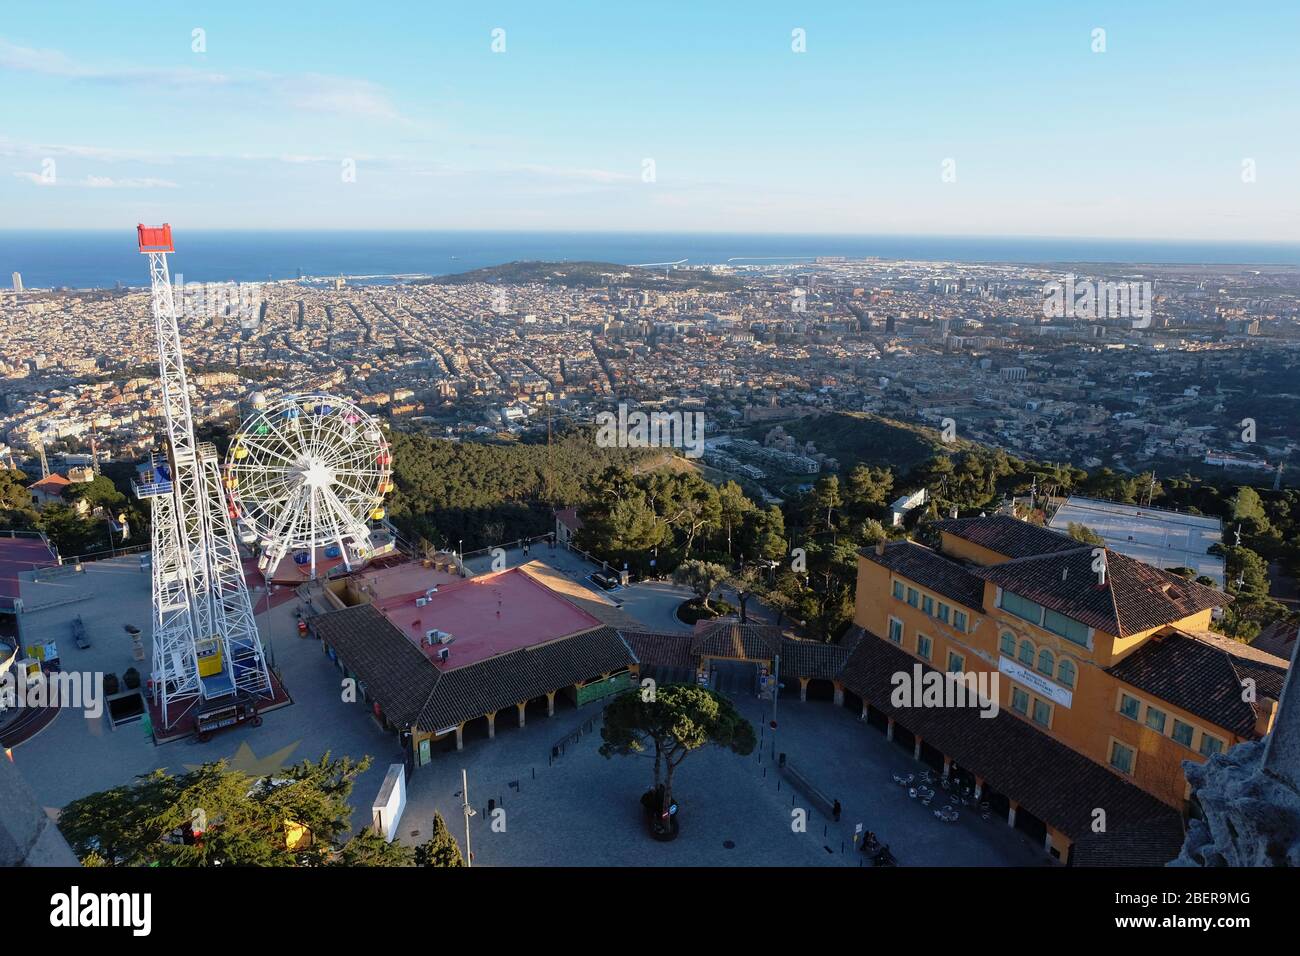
{"x":306,"y":474}
{"x":301,"y":484}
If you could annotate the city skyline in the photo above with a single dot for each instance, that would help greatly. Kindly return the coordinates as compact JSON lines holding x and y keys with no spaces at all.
{"x":674,"y":120}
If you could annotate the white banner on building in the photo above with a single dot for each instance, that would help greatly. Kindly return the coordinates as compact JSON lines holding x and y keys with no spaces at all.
{"x":1035,"y":681}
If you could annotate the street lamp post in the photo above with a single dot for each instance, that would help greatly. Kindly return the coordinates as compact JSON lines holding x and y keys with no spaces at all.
{"x":270,"y":638}
{"x":469,"y":812}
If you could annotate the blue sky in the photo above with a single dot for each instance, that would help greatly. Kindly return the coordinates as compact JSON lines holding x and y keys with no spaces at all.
{"x":1047,"y":137}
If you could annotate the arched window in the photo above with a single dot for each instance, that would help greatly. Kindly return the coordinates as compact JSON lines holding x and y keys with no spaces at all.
{"x":1065,"y":673}
{"x":1027,"y":653}
{"x":1008,"y":644}
{"x":1046,"y":662}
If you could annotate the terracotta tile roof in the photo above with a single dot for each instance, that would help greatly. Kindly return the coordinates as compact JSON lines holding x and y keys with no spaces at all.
{"x":392,"y":669}
{"x":1049,"y":779}
{"x":1135,"y":596}
{"x":411,"y":690}
{"x":1278,"y":639}
{"x":1151,"y":843}
{"x":500,"y":682}
{"x":815,"y":659}
{"x":798,"y":658}
{"x":727,"y":637}
{"x":1203,"y":677}
{"x":1008,"y":536}
{"x":661,"y":650}
{"x":931,"y":570}
{"x":54,"y":484}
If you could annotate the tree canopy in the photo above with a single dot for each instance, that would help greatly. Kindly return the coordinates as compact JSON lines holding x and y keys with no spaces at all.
{"x":214,"y":815}
{"x":676,"y":720}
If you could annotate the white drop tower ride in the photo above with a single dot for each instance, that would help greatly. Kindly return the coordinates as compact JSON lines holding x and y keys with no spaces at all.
{"x":205,"y":640}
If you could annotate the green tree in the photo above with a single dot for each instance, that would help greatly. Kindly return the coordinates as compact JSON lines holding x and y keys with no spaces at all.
{"x":441,"y":849}
{"x":827,"y":497}
{"x":869,"y":488}
{"x":1248,"y":508}
{"x":69,"y":532}
{"x":734,"y":506}
{"x":785,"y":596}
{"x":702,"y":577}
{"x":368,"y":848}
{"x":1243,"y":564}
{"x":679,"y":719}
{"x":746,"y":582}
{"x":769,"y":529}
{"x":872,"y":532}
{"x":214,"y":815}
{"x":1081,"y":532}
{"x":98,"y":492}
{"x":14,"y":495}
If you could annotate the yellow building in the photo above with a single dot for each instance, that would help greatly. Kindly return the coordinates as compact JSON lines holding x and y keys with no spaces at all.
{"x":1089,"y":654}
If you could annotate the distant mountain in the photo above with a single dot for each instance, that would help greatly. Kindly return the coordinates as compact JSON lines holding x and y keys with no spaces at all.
{"x":591,"y":275}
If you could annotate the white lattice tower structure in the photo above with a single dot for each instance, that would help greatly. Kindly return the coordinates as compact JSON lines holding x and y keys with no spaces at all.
{"x":205,"y":640}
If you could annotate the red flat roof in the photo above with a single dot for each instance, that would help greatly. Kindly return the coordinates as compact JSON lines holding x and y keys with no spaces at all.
{"x":18,"y":555}
{"x":488,"y":615}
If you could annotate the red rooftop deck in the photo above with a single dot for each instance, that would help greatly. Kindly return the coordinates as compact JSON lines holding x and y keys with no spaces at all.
{"x":488,"y":615}
{"x":16,"y":556}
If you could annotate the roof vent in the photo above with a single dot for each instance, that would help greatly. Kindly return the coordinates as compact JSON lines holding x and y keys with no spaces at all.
{"x":1064,"y":573}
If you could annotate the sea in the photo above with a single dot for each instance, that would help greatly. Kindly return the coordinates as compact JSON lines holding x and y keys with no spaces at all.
{"x":104,"y":259}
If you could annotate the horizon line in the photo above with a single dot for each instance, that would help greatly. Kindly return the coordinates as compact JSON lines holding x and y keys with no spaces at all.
{"x":682,"y":232}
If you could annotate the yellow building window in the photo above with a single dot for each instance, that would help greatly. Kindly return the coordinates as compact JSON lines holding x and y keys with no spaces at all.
{"x":1121,"y":757}
{"x":1042,"y":713}
{"x":1129,"y":706}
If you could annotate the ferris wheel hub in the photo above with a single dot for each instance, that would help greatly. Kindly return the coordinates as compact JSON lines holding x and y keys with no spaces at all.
{"x":317,"y":474}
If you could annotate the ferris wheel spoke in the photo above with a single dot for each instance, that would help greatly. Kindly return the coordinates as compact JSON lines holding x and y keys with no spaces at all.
{"x":266,"y":449}
{"x":345,"y":515}
{"x":360,"y":494}
{"x":287,"y":519}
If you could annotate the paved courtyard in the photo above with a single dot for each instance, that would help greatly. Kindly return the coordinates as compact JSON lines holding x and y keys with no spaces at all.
{"x":76,"y":755}
{"x":583,"y":810}
{"x":580,"y":809}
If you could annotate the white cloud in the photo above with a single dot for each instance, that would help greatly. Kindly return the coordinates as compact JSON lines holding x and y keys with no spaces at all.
{"x":147,"y":182}
{"x":598,"y":176}
{"x":35,"y":178}
{"x":316,"y":92}
{"x":54,"y":63}
{"x":335,"y":94}
{"x":28,"y":60}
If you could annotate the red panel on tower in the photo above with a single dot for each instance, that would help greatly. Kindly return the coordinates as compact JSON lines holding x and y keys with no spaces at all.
{"x":155,"y":238}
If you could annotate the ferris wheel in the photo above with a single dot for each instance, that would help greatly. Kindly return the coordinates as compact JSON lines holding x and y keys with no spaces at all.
{"x":307,"y":474}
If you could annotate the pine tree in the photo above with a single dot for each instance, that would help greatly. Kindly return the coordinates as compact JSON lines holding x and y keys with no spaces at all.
{"x":368,"y":848}
{"x":441,"y":849}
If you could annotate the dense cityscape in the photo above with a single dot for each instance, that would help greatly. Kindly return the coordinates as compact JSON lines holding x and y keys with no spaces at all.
{"x":911,"y":341}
